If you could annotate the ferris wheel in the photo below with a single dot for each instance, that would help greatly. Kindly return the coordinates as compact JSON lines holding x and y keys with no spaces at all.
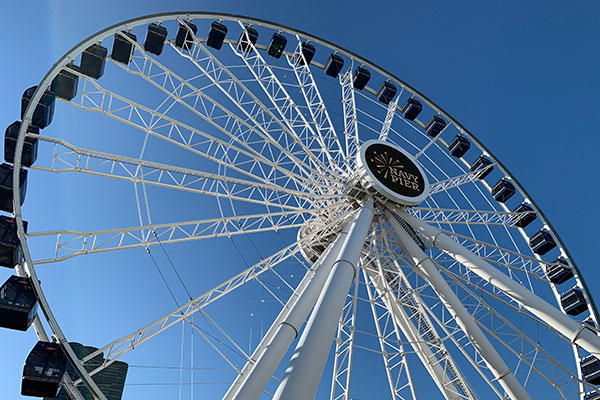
{"x":247,"y":203}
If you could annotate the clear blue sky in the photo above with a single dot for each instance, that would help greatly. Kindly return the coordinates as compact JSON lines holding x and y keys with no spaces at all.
{"x":522,"y":76}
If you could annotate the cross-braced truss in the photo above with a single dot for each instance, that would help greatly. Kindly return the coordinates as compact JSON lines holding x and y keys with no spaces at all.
{"x":255,"y":144}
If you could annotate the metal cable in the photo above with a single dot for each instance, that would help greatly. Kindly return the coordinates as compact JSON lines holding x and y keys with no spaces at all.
{"x":163,"y":277}
{"x":172,"y":265}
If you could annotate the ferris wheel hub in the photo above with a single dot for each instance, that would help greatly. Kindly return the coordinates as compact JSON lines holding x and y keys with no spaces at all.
{"x":391,"y":172}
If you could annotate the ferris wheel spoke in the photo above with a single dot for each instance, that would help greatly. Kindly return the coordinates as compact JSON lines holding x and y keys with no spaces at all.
{"x":314,"y":101}
{"x":199,"y":103}
{"x":389,"y":117}
{"x":265,"y":126}
{"x":350,"y":120}
{"x":218,"y":343}
{"x":391,"y":345}
{"x":377,"y":124}
{"x":222,"y":190}
{"x":451,"y":216}
{"x":521,"y":345}
{"x":447,"y":184}
{"x":432,"y":141}
{"x":445,"y":322}
{"x":496,"y":364}
{"x":403,"y":301}
{"x":568,"y":327}
{"x":344,"y":347}
{"x":73,"y":243}
{"x":163,"y":127}
{"x":249,"y":104}
{"x":70,"y":158}
{"x":119,"y":347}
{"x":286,"y":107}
{"x":510,"y":259}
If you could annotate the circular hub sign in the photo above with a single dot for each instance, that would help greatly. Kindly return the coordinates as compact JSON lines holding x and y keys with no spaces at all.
{"x":393,"y":172}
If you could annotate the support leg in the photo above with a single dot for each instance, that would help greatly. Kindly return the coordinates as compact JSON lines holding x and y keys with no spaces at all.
{"x":465,"y":320}
{"x":539,"y":307}
{"x":266,"y":357}
{"x":303,"y":374}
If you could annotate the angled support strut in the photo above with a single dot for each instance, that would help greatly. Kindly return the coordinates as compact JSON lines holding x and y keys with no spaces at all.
{"x":465,"y":320}
{"x":533,"y":303}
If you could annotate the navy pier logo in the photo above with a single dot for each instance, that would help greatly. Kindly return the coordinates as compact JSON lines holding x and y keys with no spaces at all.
{"x":394,"y":170}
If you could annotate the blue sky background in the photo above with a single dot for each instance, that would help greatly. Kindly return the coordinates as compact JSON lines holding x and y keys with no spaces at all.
{"x":522,"y":76}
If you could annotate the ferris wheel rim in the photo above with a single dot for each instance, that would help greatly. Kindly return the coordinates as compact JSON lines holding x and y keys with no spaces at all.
{"x":175,"y":14}
{"x":69,"y":56}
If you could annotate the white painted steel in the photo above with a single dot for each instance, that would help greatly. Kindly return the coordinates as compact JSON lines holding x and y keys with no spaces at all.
{"x":494,"y":361}
{"x":570,"y":328}
{"x":421,"y":347}
{"x":266,"y":357}
{"x":302,"y":376}
{"x":307,"y":175}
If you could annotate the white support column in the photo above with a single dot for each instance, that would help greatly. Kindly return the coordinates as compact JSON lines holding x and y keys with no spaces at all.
{"x":268,"y":355}
{"x":539,"y":307}
{"x":303,"y":374}
{"x":465,"y":320}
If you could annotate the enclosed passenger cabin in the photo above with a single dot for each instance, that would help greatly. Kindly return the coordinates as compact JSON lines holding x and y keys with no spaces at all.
{"x":503,"y":190}
{"x":459,"y":146}
{"x":30,"y":145}
{"x":10,"y":247}
{"x":44,"y":111}
{"x":248,"y":40}
{"x":308,"y":52}
{"x":64,"y":85}
{"x":412,"y":108}
{"x":334,"y":65}
{"x":6,"y":187}
{"x":155,"y":39}
{"x":482,"y":164}
{"x":590,"y":370}
{"x":542,"y":242}
{"x":276,"y":45}
{"x":185,"y":35}
{"x":18,"y":304}
{"x":591,"y":396}
{"x":122,"y":47}
{"x":573,"y":301}
{"x":216,"y":35}
{"x":360,"y":78}
{"x":386,"y":92}
{"x":559,"y":271}
{"x":93,"y":60}
{"x":435,"y":126}
{"x":525,"y":215}
{"x":111,"y":380}
{"x":43,"y":370}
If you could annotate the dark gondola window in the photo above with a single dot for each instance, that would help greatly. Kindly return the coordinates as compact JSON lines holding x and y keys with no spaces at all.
{"x":185,"y":39}
{"x":43,"y":370}
{"x":93,"y":61}
{"x":360,"y":78}
{"x":44,"y":110}
{"x":308,"y":52}
{"x":216,"y":35}
{"x":155,"y":39}
{"x":18,"y":304}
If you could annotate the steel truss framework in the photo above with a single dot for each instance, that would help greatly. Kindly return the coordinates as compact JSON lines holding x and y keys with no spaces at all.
{"x":447,"y":293}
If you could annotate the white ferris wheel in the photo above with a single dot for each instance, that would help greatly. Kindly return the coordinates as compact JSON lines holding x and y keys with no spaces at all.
{"x":253,"y":205}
